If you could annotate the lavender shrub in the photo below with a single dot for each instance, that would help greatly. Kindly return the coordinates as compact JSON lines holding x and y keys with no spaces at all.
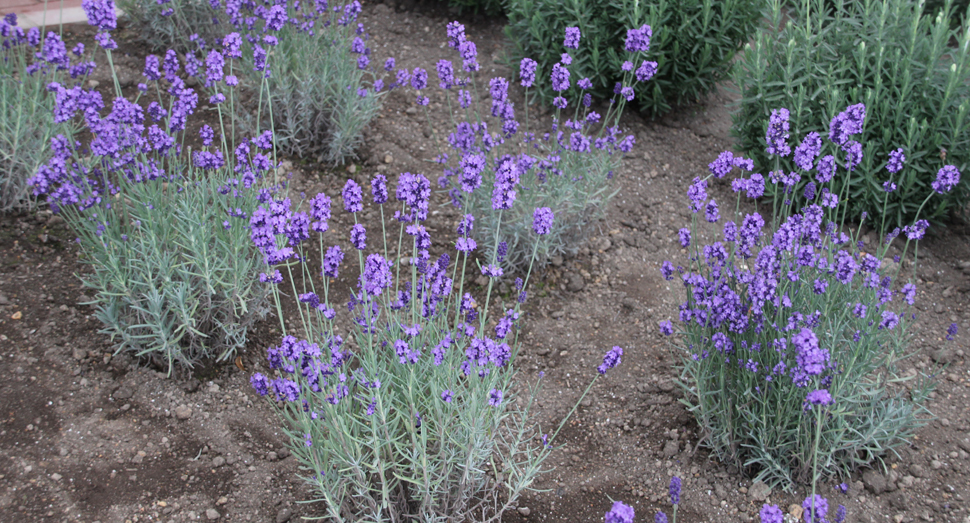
{"x":402,"y":407}
{"x":495,"y":153}
{"x":175,"y":24}
{"x":29,"y":61}
{"x":163,"y":227}
{"x":309,"y":72}
{"x":791,"y":336}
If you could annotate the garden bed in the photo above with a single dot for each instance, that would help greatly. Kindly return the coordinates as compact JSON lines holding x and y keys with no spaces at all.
{"x":90,"y":436}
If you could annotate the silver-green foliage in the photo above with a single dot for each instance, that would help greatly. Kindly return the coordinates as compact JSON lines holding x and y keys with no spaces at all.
{"x":886,"y":54}
{"x":317,"y":99}
{"x":412,"y":416}
{"x":26,"y":116}
{"x":170,"y":25}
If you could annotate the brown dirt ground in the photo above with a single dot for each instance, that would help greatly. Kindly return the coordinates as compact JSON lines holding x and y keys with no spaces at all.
{"x":88,"y":436}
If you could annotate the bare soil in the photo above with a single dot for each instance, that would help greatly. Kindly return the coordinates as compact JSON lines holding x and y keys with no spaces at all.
{"x":87,"y":435}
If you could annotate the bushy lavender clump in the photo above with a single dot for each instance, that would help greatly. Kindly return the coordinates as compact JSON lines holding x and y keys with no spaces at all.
{"x":28,"y":63}
{"x":175,"y":24}
{"x":315,"y":60}
{"x":411,"y":372}
{"x":163,"y":228}
{"x":497,"y":155}
{"x":791,"y":335}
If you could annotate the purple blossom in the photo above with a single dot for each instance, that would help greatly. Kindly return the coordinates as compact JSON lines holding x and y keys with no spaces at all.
{"x":684,"y":235}
{"x":816,"y":507}
{"x":332,"y":260}
{"x":675,"y":485}
{"x":469,"y":54}
{"x":660,"y":518}
{"x":456,"y":34}
{"x":889,"y":186}
{"x":527,"y":71}
{"x":572,"y":38}
{"x":818,"y":397}
{"x":415,"y":191}
{"x":646,"y":71}
{"x":446,"y":74}
{"x":951,"y":331}
{"x":419,"y":78}
{"x":472,"y":166}
{"x":777,"y":134}
{"x":566,"y":59}
{"x":446,"y":396}
{"x":771,"y":514}
{"x":826,"y":169}
{"x":379,"y":189}
{"x":358,"y":237}
{"x":353,"y":197}
{"x":619,"y":513}
{"x":495,"y":397}
{"x":889,"y":320}
{"x":627,"y":93}
{"x":806,"y":152}
{"x":101,"y":14}
{"x":847,"y":123}
{"x":559,"y":102}
{"x":610,"y":359}
{"x":260,"y":383}
{"x":560,"y":78}
{"x":917,"y":230}
{"x":711,"y":213}
{"x":320,"y":212}
{"x":506,"y":178}
{"x":638,"y":40}
{"x":853,"y":154}
{"x":946,"y":179}
{"x":811,"y":358}
{"x":376,"y":276}
{"x":542,"y":220}
{"x":666,"y":328}
{"x":895,"y":163}
{"x":697,"y":193}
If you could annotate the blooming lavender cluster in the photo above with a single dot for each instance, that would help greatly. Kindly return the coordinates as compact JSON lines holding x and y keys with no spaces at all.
{"x":798,"y":314}
{"x":495,"y":162}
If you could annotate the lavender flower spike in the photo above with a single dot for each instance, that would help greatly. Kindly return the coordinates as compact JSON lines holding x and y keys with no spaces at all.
{"x":610,"y":360}
{"x":542,"y":220}
{"x":619,"y":513}
{"x":675,"y":485}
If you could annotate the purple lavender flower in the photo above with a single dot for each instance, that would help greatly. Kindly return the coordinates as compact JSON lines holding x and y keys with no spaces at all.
{"x":666,"y":328}
{"x":472,"y":166}
{"x":495,"y":397}
{"x":711,"y":213}
{"x":889,"y":320}
{"x":332,"y":260}
{"x":811,"y":358}
{"x":660,"y":518}
{"x":572,"y":38}
{"x":415,"y":191}
{"x":559,"y":102}
{"x":456,"y":34}
{"x":951,"y":331}
{"x":946,"y":179}
{"x":646,"y":71}
{"x":847,"y":123}
{"x":675,"y":485}
{"x":627,"y":93}
{"x":506,"y":178}
{"x":806,"y":152}
{"x":419,"y":78}
{"x":840,"y":514}
{"x":816,"y":507}
{"x":214,"y":62}
{"x":638,"y":40}
{"x":260,"y":383}
{"x":777,"y":134}
{"x":446,"y":396}
{"x":684,"y":235}
{"x":771,"y":514}
{"x":376,"y":276}
{"x":610,"y":359}
{"x":889,"y":186}
{"x":320,"y":212}
{"x":916,"y":231}
{"x":353,"y":197}
{"x":895,"y":163}
{"x":101,"y":14}
{"x":826,"y":169}
{"x":527,"y":72}
{"x":619,"y":513}
{"x":469,"y":55}
{"x":560,"y":78}
{"x":756,"y":186}
{"x":853,"y":154}
{"x":697,"y":193}
{"x":358,"y":237}
{"x":818,"y":397}
{"x":542,"y":220}
{"x":446,"y":74}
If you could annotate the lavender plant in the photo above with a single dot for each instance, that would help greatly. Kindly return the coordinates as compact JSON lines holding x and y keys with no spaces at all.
{"x":162,"y":227}
{"x":791,"y":337}
{"x":405,"y":410}
{"x":567,"y":170}
{"x":29,"y":60}
{"x":893,"y":57}
{"x":308,"y":69}
{"x":175,"y":24}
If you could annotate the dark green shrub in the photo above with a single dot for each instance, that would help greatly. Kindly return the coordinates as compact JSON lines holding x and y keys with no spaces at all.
{"x":483,"y":7}
{"x":694,"y":42}
{"x":886,"y":55}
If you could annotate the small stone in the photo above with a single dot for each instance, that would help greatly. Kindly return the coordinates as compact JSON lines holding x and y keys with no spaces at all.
{"x":388,"y":158}
{"x":558,"y":314}
{"x":917,"y":470}
{"x":411,"y":110}
{"x":56,"y":477}
{"x":936,"y":464}
{"x":222,"y":501}
{"x":671,"y":448}
{"x":93,"y":84}
{"x":524,"y":511}
{"x":183,"y":412}
{"x":576,"y":282}
{"x":875,"y":482}
{"x":759,"y":491}
{"x":17,"y":315}
{"x":78,"y":354}
{"x":796,"y":511}
{"x":629,"y":303}
{"x":212,"y":514}
{"x":218,"y":461}
{"x":271,"y":456}
{"x":556,"y":261}
{"x":284,"y":515}
{"x":666,"y":386}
